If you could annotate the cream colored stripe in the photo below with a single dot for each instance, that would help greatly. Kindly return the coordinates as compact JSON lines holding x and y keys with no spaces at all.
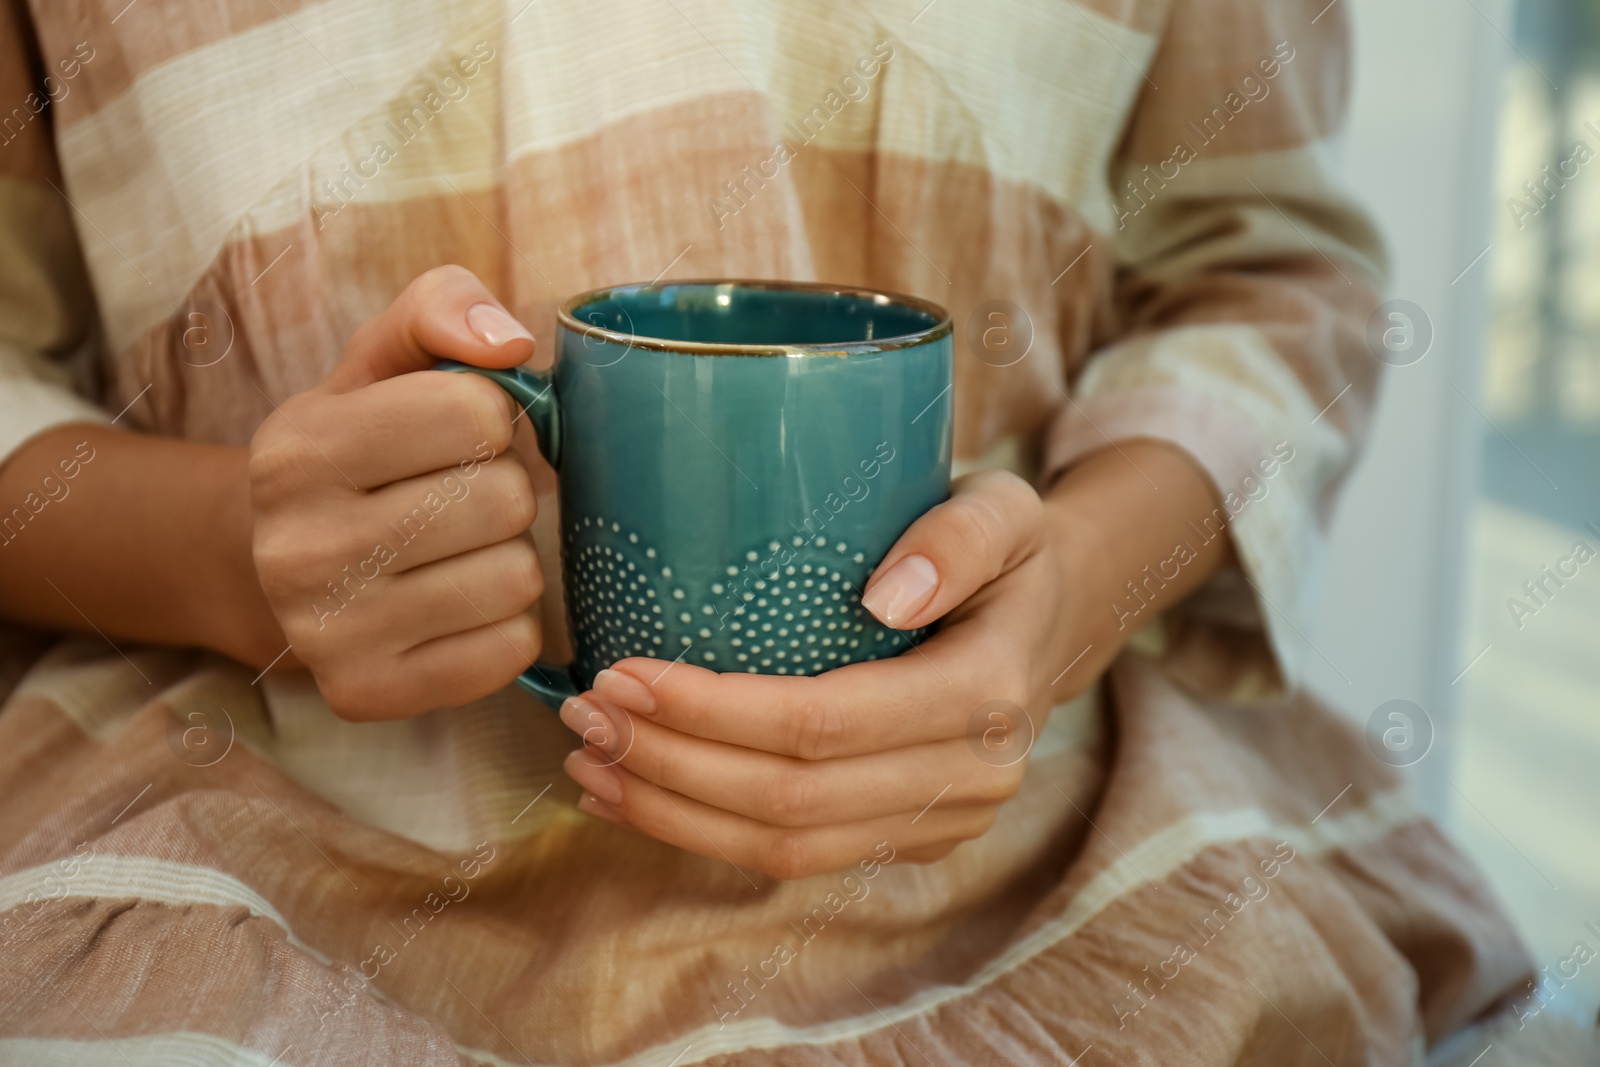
{"x":1022,"y":114}
{"x":1230,"y":364}
{"x":1041,"y":102}
{"x":1166,"y":851}
{"x":657,"y":59}
{"x":1287,"y":202}
{"x":106,"y":876}
{"x":178,"y":885}
{"x":1050,"y":96}
{"x":1154,"y":858}
{"x":164,"y":173}
{"x":33,"y":399}
{"x":181,"y":1049}
{"x":247,"y":128}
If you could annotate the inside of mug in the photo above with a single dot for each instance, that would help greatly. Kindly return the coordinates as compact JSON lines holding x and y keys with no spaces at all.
{"x":734,"y":313}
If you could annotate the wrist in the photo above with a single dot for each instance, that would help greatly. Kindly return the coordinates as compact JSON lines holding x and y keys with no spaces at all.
{"x":1121,"y":523}
{"x":1082,"y":542}
{"x":225,"y":606}
{"x":134,"y":537}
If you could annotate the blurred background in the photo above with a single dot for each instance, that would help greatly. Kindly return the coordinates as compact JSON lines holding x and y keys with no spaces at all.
{"x":1475,"y":139}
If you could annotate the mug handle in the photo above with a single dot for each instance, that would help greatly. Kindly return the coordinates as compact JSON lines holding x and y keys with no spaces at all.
{"x":535,"y":393}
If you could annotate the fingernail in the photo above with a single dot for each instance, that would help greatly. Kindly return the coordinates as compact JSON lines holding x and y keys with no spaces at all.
{"x":625,"y":690}
{"x":603,"y":782}
{"x":903,"y":591}
{"x":494,"y":327}
{"x":593,"y":805}
{"x":590,"y":722}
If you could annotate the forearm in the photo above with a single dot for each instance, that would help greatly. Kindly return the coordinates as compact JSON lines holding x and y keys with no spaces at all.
{"x":1131,"y":525}
{"x":149,"y":540}
{"x":140,"y":538}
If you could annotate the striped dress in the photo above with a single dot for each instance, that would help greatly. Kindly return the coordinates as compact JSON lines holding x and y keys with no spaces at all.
{"x":1128,"y":207}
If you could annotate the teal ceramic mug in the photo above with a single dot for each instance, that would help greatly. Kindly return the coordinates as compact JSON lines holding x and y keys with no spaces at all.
{"x":734,"y":459}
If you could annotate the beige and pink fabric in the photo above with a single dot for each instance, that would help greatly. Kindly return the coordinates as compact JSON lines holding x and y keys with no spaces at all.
{"x":1204,"y":866}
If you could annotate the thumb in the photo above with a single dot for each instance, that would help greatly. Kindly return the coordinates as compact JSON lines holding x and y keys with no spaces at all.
{"x":991,"y":521}
{"x":446,"y":313}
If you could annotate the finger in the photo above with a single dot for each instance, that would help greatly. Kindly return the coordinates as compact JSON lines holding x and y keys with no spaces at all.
{"x":931,"y":854}
{"x":432,"y":517}
{"x":779,"y":852}
{"x":924,"y":695}
{"x":447,"y":597}
{"x":782,"y":791}
{"x":407,"y":426}
{"x":446,"y":313}
{"x":990,"y":523}
{"x":445,"y":672}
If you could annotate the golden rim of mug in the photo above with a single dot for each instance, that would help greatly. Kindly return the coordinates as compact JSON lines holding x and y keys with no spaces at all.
{"x":941,"y":327}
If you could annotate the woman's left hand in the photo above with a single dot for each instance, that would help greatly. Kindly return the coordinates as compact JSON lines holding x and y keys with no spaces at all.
{"x":800,"y":775}
{"x":797,"y":776}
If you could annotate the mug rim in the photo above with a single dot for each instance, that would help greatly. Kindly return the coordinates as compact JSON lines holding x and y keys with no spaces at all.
{"x":942,"y":326}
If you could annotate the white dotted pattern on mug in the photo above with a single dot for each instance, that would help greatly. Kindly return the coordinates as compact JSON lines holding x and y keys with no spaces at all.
{"x":799,"y":617}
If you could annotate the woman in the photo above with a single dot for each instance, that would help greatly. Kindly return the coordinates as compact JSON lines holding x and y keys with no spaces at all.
{"x":1089,"y":819}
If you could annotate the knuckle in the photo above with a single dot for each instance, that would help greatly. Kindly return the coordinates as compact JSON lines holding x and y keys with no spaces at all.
{"x":481,"y":404}
{"x":646,"y":761}
{"x":978,"y":527}
{"x":431,"y":284}
{"x":995,"y":670}
{"x":1005,"y":680}
{"x":818,"y":726}
{"x":515,"y":498}
{"x":931,"y":854}
{"x":1018,"y":493}
{"x":1013,"y":778}
{"x":303,"y":630}
{"x":691,"y":717}
{"x":1013,"y":689}
{"x":977,"y":823}
{"x":279,"y":559}
{"x":1029,"y":508}
{"x":1004,"y":726}
{"x":1011,"y":491}
{"x":276,"y":465}
{"x":1000,"y":784}
{"x":282,"y":461}
{"x":789,"y":798}
{"x":1005,"y":515}
{"x":523,"y":632}
{"x":525,"y":574}
{"x":351,"y":698}
{"x":788,"y":856}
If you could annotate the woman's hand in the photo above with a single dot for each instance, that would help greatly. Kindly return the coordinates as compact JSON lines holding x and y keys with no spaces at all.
{"x":391,"y":520}
{"x":798,"y":776}
{"x":387,"y":519}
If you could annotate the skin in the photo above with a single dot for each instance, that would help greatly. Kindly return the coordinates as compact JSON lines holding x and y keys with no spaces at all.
{"x":231,"y":549}
{"x":800,"y":776}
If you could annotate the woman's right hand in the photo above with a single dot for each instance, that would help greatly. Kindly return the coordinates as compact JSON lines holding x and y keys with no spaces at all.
{"x":391,"y":517}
